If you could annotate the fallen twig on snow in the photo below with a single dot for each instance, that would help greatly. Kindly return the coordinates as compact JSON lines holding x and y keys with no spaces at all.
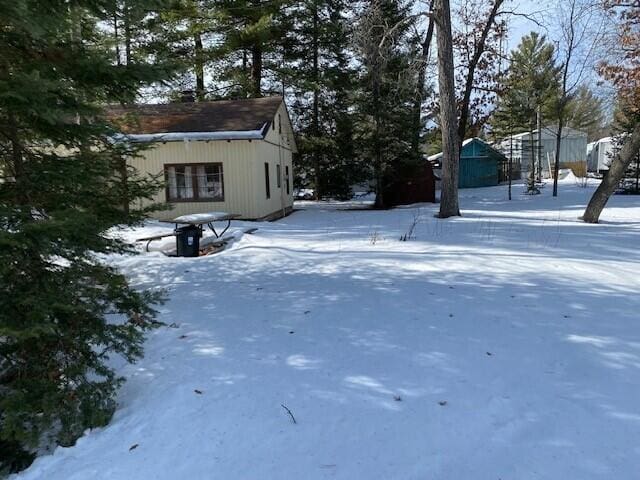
{"x":289,"y":412}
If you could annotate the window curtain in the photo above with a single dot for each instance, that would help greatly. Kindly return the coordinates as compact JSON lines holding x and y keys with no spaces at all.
{"x":202,"y":181}
{"x":216,"y":182}
{"x":188,"y":183}
{"x":217,"y":186}
{"x":173,"y":184}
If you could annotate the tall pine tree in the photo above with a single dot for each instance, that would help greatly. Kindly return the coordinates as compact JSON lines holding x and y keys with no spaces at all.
{"x":385,"y":99}
{"x":585,"y":111}
{"x":250,"y":34}
{"x":63,"y":312}
{"x":531,"y":86}
{"x":182,"y":35}
{"x":318,"y":73}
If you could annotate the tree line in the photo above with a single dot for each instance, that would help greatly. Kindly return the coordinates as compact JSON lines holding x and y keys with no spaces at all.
{"x":360,"y":76}
{"x":357,"y":75}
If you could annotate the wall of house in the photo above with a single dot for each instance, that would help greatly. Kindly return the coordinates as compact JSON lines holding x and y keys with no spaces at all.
{"x":281,"y":131}
{"x":274,"y":154}
{"x":277,"y":148}
{"x":238,"y":158}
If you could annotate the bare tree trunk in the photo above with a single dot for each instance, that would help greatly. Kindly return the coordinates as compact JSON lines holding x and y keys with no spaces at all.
{"x":531,"y":180}
{"x":379,"y":171}
{"x":420,"y":90}
{"x":17,"y":159}
{"x":199,"y":66}
{"x":256,"y":70}
{"x":448,"y":121}
{"x":473,"y":64}
{"x":127,"y":33}
{"x":539,"y":144}
{"x":564,"y":100}
{"x":556,"y":163}
{"x":116,"y":35}
{"x":379,"y":201}
{"x":612,"y":178}
{"x":315,"y":121}
{"x":638,"y":173}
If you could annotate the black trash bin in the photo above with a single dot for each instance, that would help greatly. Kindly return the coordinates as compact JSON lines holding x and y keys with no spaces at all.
{"x":188,"y":241}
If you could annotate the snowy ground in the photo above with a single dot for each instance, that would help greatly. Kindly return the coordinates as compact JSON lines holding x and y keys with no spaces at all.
{"x":501,"y":345}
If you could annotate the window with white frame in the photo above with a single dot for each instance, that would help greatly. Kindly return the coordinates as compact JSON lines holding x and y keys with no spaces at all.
{"x":198,"y":182}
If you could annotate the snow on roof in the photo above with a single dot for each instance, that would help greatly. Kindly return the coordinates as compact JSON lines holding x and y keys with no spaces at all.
{"x":437,"y":156}
{"x":551,"y":130}
{"x":194,"y":136}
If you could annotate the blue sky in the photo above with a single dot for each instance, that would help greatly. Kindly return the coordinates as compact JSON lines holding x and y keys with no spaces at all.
{"x":519,"y":26}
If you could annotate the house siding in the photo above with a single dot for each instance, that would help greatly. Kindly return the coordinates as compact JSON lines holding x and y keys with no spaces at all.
{"x":277,"y":148}
{"x":273,"y":155}
{"x":236,"y":158}
{"x":286,"y":137}
{"x":243,"y":172}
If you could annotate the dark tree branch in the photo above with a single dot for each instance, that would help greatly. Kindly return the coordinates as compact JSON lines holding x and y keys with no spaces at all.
{"x":479,"y":50}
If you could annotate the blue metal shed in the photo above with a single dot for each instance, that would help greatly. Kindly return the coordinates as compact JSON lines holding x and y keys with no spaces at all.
{"x":480,"y":164}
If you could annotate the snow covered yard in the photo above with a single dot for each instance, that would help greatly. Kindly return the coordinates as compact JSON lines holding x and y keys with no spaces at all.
{"x":501,"y":345}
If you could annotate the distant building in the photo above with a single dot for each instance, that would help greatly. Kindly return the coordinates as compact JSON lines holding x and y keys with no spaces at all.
{"x":573,"y":150}
{"x":481,"y":165}
{"x":410,"y":184}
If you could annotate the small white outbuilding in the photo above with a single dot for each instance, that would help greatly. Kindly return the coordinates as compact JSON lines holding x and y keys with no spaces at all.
{"x":600,"y":154}
{"x":230,"y":155}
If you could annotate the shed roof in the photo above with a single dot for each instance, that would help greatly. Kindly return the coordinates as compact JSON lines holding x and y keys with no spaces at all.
{"x":549,"y":132}
{"x":438,"y":156}
{"x":234,"y":118}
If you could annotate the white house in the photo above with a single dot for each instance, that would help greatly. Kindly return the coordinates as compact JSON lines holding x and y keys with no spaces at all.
{"x":230,"y":155}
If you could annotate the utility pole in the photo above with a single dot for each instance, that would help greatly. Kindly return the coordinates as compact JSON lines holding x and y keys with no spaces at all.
{"x":510,"y":159}
{"x":539,"y":121}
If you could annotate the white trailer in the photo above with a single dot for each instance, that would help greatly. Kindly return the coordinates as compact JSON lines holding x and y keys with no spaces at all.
{"x":600,"y":154}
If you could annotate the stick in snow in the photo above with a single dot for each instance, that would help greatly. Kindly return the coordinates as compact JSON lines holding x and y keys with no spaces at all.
{"x":289,"y":412}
